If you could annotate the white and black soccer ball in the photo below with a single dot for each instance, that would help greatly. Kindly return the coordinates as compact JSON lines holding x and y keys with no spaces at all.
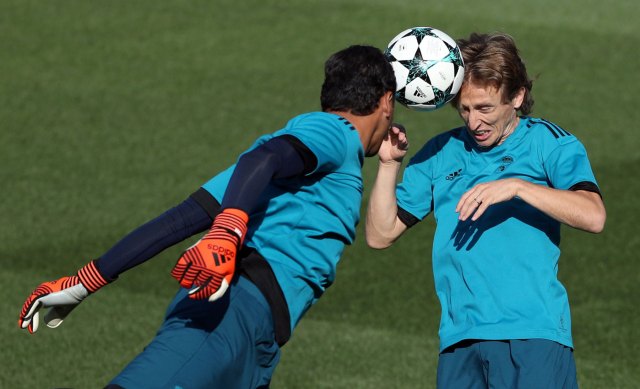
{"x":428,"y":67}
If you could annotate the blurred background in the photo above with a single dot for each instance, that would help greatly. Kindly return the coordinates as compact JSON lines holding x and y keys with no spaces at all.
{"x":112,"y":112}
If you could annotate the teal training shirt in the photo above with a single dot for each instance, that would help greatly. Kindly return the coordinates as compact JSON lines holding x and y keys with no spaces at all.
{"x":496,"y":278}
{"x":302,"y":224}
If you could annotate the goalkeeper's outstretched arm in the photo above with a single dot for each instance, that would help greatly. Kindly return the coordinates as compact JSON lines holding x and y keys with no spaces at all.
{"x":280,"y":157}
{"x":63,"y":295}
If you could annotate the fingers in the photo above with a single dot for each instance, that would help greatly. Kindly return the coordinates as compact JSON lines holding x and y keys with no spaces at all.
{"x":400,"y":127}
{"x":476,"y":200}
{"x":200,"y":286}
{"x":481,"y":207}
{"x":398,"y":136}
{"x":200,"y":292}
{"x":207,"y":284}
{"x":201,"y":268}
{"x":29,"y":317}
{"x":466,"y":208}
{"x":471,"y":204}
{"x":220,"y":292}
{"x":31,"y":306}
{"x":190,"y":275}
{"x":399,"y":131}
{"x":184,"y":273}
{"x":212,"y":290}
{"x":34,"y":322}
{"x":201,"y":281}
{"x":62,"y":295}
{"x":403,"y":142}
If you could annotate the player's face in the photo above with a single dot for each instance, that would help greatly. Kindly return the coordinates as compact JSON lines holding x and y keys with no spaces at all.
{"x":489,"y":119}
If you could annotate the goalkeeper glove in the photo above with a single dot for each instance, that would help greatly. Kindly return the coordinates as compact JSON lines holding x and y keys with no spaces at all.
{"x":61,"y":295}
{"x":207,"y":267}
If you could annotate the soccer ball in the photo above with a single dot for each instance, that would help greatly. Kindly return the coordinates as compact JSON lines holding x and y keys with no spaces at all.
{"x":428,"y":67}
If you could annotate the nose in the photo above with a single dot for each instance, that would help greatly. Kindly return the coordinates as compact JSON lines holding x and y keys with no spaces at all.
{"x":473,"y":119}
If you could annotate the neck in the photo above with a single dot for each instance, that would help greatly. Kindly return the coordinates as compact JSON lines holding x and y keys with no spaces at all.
{"x":371,"y":128}
{"x":511,"y":127}
{"x":359,"y":122}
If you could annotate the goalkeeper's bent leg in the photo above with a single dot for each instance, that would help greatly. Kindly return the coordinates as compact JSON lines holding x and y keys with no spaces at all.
{"x":192,"y":347}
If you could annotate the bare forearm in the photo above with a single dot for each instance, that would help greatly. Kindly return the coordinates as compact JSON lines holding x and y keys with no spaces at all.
{"x":383,"y":226}
{"x":579,"y":209}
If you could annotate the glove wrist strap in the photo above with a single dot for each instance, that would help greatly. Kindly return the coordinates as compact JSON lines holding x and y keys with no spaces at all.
{"x":234,"y":221}
{"x":91,"y":278}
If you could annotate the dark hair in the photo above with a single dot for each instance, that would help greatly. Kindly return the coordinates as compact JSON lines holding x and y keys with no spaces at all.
{"x":355,"y":80}
{"x":493,"y":59}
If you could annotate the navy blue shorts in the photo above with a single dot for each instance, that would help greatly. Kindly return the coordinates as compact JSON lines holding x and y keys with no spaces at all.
{"x":518,"y":364}
{"x":229,"y":343}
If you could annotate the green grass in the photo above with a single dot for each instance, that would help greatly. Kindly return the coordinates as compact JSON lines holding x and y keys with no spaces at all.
{"x":111,"y":112}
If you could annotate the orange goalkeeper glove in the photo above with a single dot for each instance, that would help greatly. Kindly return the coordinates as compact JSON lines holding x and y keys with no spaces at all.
{"x":61,"y":295}
{"x":208,"y":266}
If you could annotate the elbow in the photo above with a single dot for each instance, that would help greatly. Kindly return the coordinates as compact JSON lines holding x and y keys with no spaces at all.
{"x":381,"y":236}
{"x":377,"y":242}
{"x":594,"y":216}
{"x":598,"y":222}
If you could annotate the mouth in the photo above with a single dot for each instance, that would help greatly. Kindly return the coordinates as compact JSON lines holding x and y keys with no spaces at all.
{"x":480,"y":135}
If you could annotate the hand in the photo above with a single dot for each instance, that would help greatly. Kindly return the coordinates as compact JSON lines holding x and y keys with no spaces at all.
{"x":208,"y":266}
{"x":477,"y":199}
{"x":61,"y":295}
{"x":395,"y":144}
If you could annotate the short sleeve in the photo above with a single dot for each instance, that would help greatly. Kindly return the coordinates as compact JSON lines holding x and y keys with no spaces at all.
{"x":568,"y":165}
{"x":324,"y":137}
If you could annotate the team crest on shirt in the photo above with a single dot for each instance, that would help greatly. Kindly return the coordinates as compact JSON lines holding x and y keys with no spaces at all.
{"x":504,"y":162}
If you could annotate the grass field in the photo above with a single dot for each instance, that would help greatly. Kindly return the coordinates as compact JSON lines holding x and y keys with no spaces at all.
{"x":111,"y":112}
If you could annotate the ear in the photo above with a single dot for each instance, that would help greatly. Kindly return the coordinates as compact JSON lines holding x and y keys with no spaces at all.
{"x":387,"y":104}
{"x":518,"y":99}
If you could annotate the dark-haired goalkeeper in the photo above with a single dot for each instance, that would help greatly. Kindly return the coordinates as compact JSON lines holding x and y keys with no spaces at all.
{"x":278,"y":221}
{"x":499,"y":188}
